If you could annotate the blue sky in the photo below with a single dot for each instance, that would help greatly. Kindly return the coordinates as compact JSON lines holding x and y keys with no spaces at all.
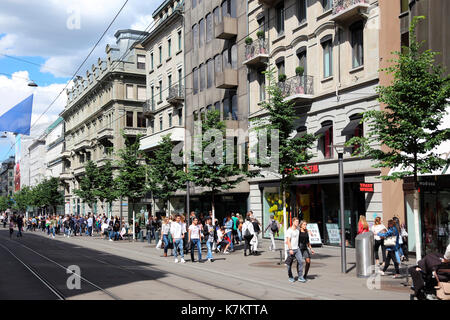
{"x":55,"y":36}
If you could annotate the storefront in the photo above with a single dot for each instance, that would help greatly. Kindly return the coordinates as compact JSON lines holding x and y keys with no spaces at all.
{"x":434,"y":195}
{"x":225,"y":204}
{"x":317,"y":201}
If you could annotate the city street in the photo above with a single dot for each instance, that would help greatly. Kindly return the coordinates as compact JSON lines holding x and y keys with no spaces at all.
{"x":35,"y":268}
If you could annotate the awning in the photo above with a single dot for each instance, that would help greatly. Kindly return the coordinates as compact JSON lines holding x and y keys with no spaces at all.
{"x":349,"y":130}
{"x":322,"y":130}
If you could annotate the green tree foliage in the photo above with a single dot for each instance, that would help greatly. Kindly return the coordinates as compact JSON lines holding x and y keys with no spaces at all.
{"x":88,"y":184}
{"x":216,"y":177}
{"x":415,"y":106}
{"x":164,"y":176}
{"x":5,"y":203}
{"x":23,"y":199}
{"x":131,"y":180}
{"x":105,"y":187}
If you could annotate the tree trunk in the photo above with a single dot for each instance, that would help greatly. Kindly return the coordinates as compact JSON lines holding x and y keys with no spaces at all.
{"x":134,"y":223}
{"x":417,"y":216}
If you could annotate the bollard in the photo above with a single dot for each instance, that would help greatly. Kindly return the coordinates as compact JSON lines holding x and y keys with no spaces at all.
{"x":364,"y":243}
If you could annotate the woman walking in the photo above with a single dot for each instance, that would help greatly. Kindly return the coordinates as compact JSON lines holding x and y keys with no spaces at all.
{"x":391,"y":242}
{"x":363,"y":226}
{"x":248,"y":233}
{"x":379,"y":242}
{"x":165,"y":229}
{"x":305,"y":247}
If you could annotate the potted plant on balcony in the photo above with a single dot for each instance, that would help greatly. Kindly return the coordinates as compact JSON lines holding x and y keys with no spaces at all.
{"x":249,"y":48}
{"x":282,"y":82}
{"x":299,"y":87}
{"x":248,"y":41}
{"x":282,"y":77}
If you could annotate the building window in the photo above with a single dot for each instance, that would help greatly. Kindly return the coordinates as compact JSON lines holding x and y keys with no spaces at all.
{"x":151,"y":61}
{"x":218,"y":63}
{"x":209,"y":27}
{"x":210,"y":79}
{"x":180,"y":116}
{"x":327,"y":58}
{"x":195,"y":36}
{"x":141,"y":62}
{"x":160,"y":55}
{"x":129,"y":118}
{"x":357,"y":44}
{"x":195,"y":77}
{"x":141,"y":92}
{"x":354,"y":129}
{"x":229,"y":8}
{"x":202,"y":77}
{"x":234,"y":58}
{"x":326,"y":4}
{"x":280,"y":67}
{"x":261,"y":25}
{"x":226,"y":109}
{"x":180,"y":45}
{"x":302,"y":61}
{"x":170,"y":120}
{"x":194,"y":3}
{"x":404,"y":6}
{"x":140,"y":120}
{"x":169,"y":81}
{"x":217,"y":16}
{"x":326,"y":139}
{"x":130,"y":91}
{"x":201,"y":33}
{"x":234,"y":107}
{"x":160,"y":123}
{"x":169,"y":47}
{"x":153,"y":95}
{"x":301,"y":10}
{"x":160,"y":90}
{"x":152,"y":126}
{"x":262,"y":85}
{"x":280,"y":19}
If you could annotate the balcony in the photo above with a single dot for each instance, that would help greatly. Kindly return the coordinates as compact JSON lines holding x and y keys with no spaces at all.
{"x":79,"y":171}
{"x":346,"y":11}
{"x":298,"y":88}
{"x":66,"y":176}
{"x":256,"y":54}
{"x":65,"y":154}
{"x":132,"y":132}
{"x":269,"y":3}
{"x":149,"y":107}
{"x":105,"y":133}
{"x":226,"y":29}
{"x":83,"y":144}
{"x":227,"y":79}
{"x":151,"y":141}
{"x":176,"y":94}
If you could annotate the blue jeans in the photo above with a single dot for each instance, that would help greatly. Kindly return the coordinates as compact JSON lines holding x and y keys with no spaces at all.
{"x":239,"y":234}
{"x":166,"y":242}
{"x":52,"y":231}
{"x":178,"y":244}
{"x":229,"y":234}
{"x":149,"y":238}
{"x":209,"y":245}
{"x":198,"y":244}
{"x":89,"y":231}
{"x":290,"y":259}
{"x":113,"y":234}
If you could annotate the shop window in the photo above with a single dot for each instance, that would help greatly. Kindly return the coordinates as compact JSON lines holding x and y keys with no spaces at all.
{"x":357,"y":44}
{"x":325,"y":134}
{"x":301,"y":10}
{"x":129,"y":118}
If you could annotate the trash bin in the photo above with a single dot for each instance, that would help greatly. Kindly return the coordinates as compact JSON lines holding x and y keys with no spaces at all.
{"x":364,"y":254}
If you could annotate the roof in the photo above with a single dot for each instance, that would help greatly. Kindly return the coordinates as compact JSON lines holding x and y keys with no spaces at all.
{"x":54,"y":125}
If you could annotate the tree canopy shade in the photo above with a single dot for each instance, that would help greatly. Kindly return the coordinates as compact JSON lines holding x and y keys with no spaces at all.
{"x":164,"y":176}
{"x":410,"y":126}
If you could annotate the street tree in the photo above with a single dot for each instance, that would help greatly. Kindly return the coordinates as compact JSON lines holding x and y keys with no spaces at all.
{"x":165,"y":177}
{"x":105,"y":187}
{"x":23,"y":199}
{"x":88,"y":184}
{"x":293,"y":152}
{"x":215,"y":174}
{"x":5,"y":203}
{"x":409,"y":128}
{"x":131,"y":178}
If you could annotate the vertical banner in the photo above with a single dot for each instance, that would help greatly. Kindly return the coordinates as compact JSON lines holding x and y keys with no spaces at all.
{"x":17,"y":164}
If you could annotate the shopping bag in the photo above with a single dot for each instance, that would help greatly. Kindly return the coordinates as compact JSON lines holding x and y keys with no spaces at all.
{"x":158,"y":246}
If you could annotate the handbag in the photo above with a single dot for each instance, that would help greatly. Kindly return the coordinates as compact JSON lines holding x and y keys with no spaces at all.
{"x":390,"y":241}
{"x":158,"y":246}
{"x":442,"y":290}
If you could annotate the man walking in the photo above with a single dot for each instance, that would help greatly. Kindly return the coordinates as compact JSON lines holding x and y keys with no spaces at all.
{"x":176,"y":230}
{"x":210,"y":239}
{"x":274,"y":228}
{"x":90,"y":223}
{"x":248,"y":234}
{"x":195,"y":239}
{"x":292,"y":237}
{"x":19,"y":226}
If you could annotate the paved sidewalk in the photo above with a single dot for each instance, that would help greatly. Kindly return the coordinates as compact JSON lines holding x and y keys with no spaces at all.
{"x":259,"y":272}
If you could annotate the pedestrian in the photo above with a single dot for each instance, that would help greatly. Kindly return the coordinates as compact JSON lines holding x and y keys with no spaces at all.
{"x":305,"y":246}
{"x":34,"y":224}
{"x":222,"y":240}
{"x":391,"y":242}
{"x":400,"y":254}
{"x":210,"y":235}
{"x":229,"y":230}
{"x":177,"y":232}
{"x":363,"y":226}
{"x":404,"y":237}
{"x":274,"y":228}
{"x":90,"y":224}
{"x":165,"y":229}
{"x":257,"y":229}
{"x":11,"y":227}
{"x":379,"y":242}
{"x":52,"y":226}
{"x":195,"y":238}
{"x":248,"y":233}
{"x":19,"y":226}
{"x":292,"y":241}
{"x":235,"y":228}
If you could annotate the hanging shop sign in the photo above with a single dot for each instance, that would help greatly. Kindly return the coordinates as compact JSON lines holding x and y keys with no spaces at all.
{"x":366,"y":187}
{"x":334,"y":236}
{"x":314,"y":233}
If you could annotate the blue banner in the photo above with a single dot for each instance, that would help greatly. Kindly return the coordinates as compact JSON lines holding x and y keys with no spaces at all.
{"x":18,"y":118}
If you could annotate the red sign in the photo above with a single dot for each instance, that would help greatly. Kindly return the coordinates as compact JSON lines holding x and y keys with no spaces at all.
{"x":309,"y":168}
{"x":366,"y":187}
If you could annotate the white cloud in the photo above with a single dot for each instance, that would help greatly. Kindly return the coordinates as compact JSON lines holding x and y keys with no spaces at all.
{"x":40,"y":28}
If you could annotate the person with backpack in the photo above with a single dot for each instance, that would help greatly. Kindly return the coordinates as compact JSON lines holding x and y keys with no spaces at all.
{"x":274,"y":227}
{"x":248,"y":233}
{"x":257,"y":230}
{"x":210,"y":235}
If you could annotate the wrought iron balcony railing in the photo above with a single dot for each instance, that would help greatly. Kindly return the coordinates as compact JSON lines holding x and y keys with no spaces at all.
{"x":297,"y":86}
{"x":176,"y":93}
{"x":341,"y":5}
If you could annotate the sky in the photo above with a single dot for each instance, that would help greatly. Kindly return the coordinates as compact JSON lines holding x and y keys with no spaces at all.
{"x":47,"y":40}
